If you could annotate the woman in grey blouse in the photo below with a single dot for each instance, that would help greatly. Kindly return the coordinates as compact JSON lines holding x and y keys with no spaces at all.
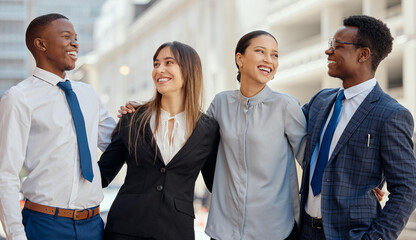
{"x":255,"y":192}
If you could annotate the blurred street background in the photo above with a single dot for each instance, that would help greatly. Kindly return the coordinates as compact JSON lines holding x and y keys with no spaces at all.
{"x":118,"y":38}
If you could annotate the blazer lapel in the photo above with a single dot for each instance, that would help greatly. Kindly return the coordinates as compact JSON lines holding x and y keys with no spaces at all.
{"x":192,"y":141}
{"x":152,"y":143}
{"x":359,"y":115}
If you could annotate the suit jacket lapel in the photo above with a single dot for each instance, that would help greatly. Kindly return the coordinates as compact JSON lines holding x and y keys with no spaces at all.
{"x":192,"y":141}
{"x":359,"y":115}
{"x":152,"y":143}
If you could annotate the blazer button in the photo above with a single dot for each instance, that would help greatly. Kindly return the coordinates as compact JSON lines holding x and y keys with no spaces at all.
{"x":163,"y":170}
{"x":159,"y":188}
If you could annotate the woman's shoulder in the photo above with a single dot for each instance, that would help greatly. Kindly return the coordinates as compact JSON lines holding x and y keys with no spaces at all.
{"x":131,"y":118}
{"x":208,"y":121}
{"x":284,"y":97}
{"x":225,"y":94}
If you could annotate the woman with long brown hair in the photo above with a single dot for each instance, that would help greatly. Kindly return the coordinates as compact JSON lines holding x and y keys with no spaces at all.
{"x":165,"y":143}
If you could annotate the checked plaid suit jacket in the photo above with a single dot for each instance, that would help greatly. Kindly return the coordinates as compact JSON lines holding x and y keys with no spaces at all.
{"x":349,"y":208}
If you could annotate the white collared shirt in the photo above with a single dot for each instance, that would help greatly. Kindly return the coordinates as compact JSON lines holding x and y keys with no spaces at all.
{"x":170,"y":147}
{"x":354,"y":96}
{"x":37,"y":132}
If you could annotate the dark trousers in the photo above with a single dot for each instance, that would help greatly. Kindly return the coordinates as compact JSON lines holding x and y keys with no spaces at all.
{"x":310,"y":233}
{"x":41,"y":226}
{"x":117,"y":236}
{"x":294,"y":235}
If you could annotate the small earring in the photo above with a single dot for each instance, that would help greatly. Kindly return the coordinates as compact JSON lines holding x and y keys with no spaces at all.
{"x":360,"y":60}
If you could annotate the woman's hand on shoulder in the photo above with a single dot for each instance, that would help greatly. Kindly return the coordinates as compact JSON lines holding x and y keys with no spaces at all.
{"x":130,"y":107}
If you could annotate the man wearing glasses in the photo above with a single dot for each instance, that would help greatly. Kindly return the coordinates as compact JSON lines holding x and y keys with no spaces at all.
{"x":357,"y":137}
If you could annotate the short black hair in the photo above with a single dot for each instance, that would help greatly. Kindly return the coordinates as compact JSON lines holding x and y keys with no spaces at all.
{"x":245,"y":41}
{"x":374,"y":34}
{"x":36,"y":27}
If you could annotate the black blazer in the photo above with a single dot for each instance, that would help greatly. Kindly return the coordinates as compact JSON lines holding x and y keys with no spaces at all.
{"x":156,"y":200}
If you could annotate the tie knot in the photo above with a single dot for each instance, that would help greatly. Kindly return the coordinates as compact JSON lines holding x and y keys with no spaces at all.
{"x":341,"y":96}
{"x":66,"y":86}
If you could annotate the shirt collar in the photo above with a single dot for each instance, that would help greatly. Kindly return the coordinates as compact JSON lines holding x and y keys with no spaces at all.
{"x":359,"y":88}
{"x":165,"y":115}
{"x":47,"y":76}
{"x":256,"y":99}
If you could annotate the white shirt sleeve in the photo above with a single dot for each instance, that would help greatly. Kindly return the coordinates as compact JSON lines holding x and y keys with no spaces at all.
{"x":105,"y":128}
{"x":15,"y":119}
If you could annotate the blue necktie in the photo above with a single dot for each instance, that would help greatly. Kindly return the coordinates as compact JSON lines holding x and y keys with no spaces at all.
{"x":322,"y":160}
{"x":84,"y":151}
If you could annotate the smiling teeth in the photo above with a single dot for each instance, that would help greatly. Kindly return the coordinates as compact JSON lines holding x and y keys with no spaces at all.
{"x":163,"y":80}
{"x":72,"y":53}
{"x":265,"y":69}
{"x":330,"y":61}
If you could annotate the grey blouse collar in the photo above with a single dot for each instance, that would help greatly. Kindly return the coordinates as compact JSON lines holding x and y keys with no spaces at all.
{"x":256,"y":99}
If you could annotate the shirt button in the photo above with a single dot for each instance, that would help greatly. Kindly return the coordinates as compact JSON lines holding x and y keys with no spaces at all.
{"x":163,"y":170}
{"x":159,"y":188}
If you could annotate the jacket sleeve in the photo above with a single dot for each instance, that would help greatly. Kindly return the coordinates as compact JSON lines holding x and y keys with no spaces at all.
{"x":399,"y":166}
{"x":208,"y":169}
{"x":115,"y":155}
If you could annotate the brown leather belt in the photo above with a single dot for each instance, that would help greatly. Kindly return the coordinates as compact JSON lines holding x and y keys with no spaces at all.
{"x":68,"y":213}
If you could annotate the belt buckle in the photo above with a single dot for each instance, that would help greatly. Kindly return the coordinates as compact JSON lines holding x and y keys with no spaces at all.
{"x":313,"y":225}
{"x":75,"y":217}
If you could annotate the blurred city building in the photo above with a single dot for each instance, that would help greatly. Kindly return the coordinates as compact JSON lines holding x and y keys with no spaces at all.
{"x":303,"y":28}
{"x":120,"y":67}
{"x":16,"y":63}
{"x":126,"y":39}
{"x":14,"y":58}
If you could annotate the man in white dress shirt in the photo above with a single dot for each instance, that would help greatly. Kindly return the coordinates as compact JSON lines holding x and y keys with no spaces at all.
{"x":38,"y":133}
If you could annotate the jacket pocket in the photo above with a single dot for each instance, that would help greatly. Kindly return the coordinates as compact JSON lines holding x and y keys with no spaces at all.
{"x":184,"y":207}
{"x":364,"y":209}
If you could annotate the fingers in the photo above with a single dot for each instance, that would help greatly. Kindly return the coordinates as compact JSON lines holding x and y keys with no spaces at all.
{"x":132,"y":104}
{"x":125,"y":109}
{"x":379,"y":198}
{"x":379,"y":194}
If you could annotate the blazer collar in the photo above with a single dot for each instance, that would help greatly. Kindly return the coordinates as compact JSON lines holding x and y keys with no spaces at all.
{"x":192,"y":141}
